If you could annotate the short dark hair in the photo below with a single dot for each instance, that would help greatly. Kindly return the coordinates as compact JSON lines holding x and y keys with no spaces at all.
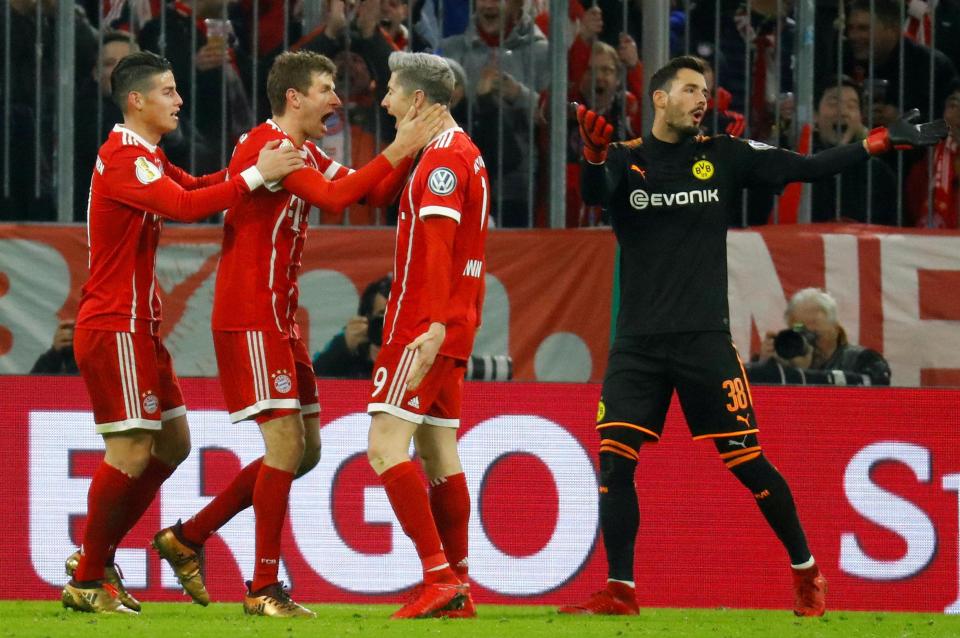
{"x":294,"y":70}
{"x":668,"y":73}
{"x":834,"y":82}
{"x":135,"y":72}
{"x":885,"y":11}
{"x":116,"y":35}
{"x":378,"y":287}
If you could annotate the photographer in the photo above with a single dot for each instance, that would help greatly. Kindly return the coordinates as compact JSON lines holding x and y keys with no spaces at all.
{"x":350,"y":354}
{"x":59,"y":358}
{"x":814,"y":349}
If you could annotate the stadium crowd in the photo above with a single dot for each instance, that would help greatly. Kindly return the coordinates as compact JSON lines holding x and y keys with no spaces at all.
{"x":221,"y":50}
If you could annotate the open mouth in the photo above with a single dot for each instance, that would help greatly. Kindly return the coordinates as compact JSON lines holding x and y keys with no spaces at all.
{"x":697,"y":115}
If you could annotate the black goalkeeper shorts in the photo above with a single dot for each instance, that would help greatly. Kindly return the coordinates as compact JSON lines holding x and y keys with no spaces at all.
{"x":703,"y":367}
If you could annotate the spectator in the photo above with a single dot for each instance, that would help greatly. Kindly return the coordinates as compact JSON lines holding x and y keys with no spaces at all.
{"x":507,"y":75}
{"x":887,"y":41}
{"x":356,"y":27}
{"x":351,"y":353}
{"x":728,"y":121}
{"x":96,"y":113}
{"x":749,"y":30}
{"x":823,"y":355}
{"x":600,"y":90}
{"x":945,"y":159}
{"x":218,"y":60}
{"x":394,"y":15}
{"x":944,"y":21}
{"x":838,"y":120}
{"x":32,"y":194}
{"x":59,"y":358}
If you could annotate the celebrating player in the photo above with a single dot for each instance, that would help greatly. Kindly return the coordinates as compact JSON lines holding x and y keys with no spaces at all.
{"x":433,"y":312}
{"x":264,"y":365}
{"x":667,"y":195}
{"x":137,"y":404}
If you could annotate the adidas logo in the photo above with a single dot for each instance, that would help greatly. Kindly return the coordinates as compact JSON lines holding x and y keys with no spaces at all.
{"x":414,"y":403}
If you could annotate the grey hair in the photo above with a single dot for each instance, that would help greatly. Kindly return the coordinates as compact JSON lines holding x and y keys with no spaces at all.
{"x":424,"y":72}
{"x":823,"y":299}
{"x":460,"y":76}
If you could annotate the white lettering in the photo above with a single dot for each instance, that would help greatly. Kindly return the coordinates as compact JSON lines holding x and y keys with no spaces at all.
{"x":951,"y":483}
{"x":640,"y":199}
{"x":888,"y":510}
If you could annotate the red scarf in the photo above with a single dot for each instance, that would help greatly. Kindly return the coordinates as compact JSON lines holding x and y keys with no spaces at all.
{"x":945,"y":200}
{"x":918,"y":26}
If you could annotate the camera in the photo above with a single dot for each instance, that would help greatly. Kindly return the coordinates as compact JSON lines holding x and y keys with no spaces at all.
{"x":794,"y":341}
{"x":375,"y":329}
{"x":490,"y":368}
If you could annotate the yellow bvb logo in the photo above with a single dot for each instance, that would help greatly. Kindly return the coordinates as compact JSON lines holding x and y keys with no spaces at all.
{"x":703,"y":170}
{"x":601,"y":411}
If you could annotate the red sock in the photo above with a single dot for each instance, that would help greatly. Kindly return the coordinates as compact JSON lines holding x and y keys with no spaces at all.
{"x":237,"y":497}
{"x":142,"y":492}
{"x":106,"y":512}
{"x":450,"y":504}
{"x":409,"y":500}
{"x":270,"y":496}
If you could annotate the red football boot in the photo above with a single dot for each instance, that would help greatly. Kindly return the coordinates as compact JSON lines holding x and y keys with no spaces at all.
{"x":431,"y":598}
{"x":616,"y":599}
{"x":810,"y":592}
{"x":461,"y":607}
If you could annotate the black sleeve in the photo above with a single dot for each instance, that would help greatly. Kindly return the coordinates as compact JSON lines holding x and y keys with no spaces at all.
{"x":336,"y":360}
{"x":598,"y":182}
{"x":872,"y":365}
{"x":50,"y":362}
{"x":763,"y":165}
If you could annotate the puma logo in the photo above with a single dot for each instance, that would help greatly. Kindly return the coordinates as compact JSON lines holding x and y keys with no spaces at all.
{"x":734,"y":442}
{"x":746,"y":420}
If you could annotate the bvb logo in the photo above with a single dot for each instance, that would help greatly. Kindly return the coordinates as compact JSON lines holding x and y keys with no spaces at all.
{"x":703,"y":170}
{"x":601,"y":411}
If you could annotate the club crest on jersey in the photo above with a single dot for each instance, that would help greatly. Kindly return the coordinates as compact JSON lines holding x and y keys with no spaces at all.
{"x":442,"y":181}
{"x":703,"y":169}
{"x":147,"y":171}
{"x":150,"y":403}
{"x":282,"y":382}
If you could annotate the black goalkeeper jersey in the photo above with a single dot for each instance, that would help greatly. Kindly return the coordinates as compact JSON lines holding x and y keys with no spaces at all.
{"x":668,"y":205}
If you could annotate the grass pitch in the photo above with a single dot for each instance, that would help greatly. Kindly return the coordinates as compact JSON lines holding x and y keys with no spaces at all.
{"x":180,"y":620}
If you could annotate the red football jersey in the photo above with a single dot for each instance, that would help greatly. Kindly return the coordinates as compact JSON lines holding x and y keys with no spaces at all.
{"x":133,"y":187}
{"x":450,"y":180}
{"x":263,"y":241}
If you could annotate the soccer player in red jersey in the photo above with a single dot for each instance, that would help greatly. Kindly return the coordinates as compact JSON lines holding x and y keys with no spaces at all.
{"x":265,"y":368}
{"x":137,"y":403}
{"x":434,"y":310}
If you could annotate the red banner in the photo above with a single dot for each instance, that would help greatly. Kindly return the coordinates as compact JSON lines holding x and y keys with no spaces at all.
{"x":875,"y":473}
{"x":548,"y":292}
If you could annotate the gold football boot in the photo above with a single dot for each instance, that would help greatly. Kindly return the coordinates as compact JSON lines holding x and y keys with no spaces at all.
{"x":274,"y":601}
{"x":95,"y":600}
{"x":112,"y":575}
{"x":187,"y":564}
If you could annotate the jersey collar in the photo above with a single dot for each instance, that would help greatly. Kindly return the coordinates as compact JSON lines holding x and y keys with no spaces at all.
{"x":442,"y":133}
{"x":120,"y":128}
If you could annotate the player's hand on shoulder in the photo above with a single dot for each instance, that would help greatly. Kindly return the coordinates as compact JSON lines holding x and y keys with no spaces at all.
{"x":416,"y":129}
{"x":425,"y":348}
{"x":277,"y":160}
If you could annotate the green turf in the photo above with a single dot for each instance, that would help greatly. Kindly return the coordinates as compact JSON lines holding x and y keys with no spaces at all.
{"x":180,"y":620}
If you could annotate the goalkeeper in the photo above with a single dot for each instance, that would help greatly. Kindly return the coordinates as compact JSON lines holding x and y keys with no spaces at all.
{"x":666,"y":196}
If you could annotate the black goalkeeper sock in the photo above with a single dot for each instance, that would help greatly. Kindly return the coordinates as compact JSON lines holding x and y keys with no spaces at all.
{"x":776,"y":502}
{"x":619,"y":513}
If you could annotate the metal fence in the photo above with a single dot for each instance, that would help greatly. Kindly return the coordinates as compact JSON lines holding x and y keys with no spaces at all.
{"x":805,"y":74}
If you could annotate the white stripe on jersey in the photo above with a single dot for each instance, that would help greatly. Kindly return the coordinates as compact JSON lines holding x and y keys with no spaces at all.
{"x":444,"y":211}
{"x":398,"y":386}
{"x":331,"y":171}
{"x":128,"y":375}
{"x":406,"y":267}
{"x":273,"y":262}
{"x":133,"y":304}
{"x":486,"y":198}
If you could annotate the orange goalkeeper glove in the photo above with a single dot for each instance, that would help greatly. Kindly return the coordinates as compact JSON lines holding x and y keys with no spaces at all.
{"x":596,"y":134}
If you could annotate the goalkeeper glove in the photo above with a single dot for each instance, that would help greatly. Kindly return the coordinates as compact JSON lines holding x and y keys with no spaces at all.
{"x":596,"y":134}
{"x":905,"y":134}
